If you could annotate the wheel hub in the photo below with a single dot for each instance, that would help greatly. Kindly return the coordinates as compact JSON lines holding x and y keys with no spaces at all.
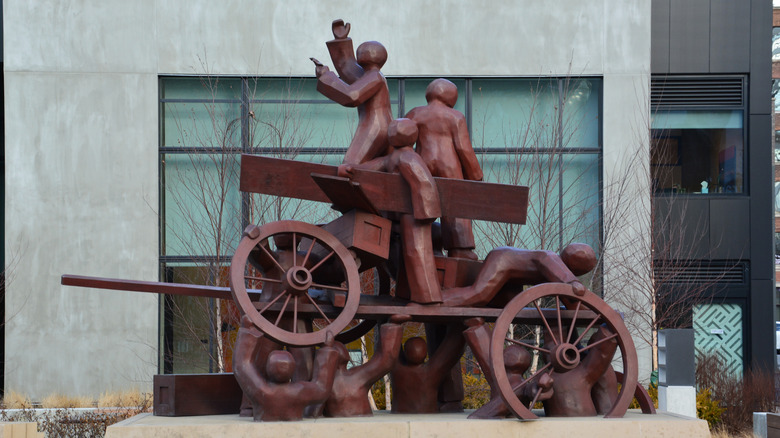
{"x":564,"y":357}
{"x":297,"y":280}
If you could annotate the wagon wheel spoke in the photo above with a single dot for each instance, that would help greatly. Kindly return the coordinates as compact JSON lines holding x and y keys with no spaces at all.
{"x":295,"y":315}
{"x":328,"y":286}
{"x":589,"y":346}
{"x":573,"y":321}
{"x":531,"y":377}
{"x":584,"y":332}
{"x":308,"y":252}
{"x":523,"y":344}
{"x":558,"y":312}
{"x":262,"y":279}
{"x":538,"y":393}
{"x":546,"y":324}
{"x":268,"y":253}
{"x":319,"y":309}
{"x":322,"y":261}
{"x":281,"y":312}
{"x":270,"y":303}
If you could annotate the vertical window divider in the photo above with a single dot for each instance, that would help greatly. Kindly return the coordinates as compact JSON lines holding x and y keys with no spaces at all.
{"x":245,"y":148}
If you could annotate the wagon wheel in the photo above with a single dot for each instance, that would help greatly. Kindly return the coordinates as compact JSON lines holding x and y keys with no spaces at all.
{"x":291,"y":261}
{"x":364,"y":326}
{"x":565,"y":349}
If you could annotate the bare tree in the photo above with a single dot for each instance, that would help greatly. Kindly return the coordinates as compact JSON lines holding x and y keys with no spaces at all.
{"x":206,"y":213}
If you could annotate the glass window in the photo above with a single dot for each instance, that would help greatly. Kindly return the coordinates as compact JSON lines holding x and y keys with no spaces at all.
{"x":699,"y":152}
{"x":544,"y":133}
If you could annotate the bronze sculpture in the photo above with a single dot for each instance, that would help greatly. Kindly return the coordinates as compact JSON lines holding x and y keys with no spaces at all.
{"x":351,"y":386}
{"x":415,"y":381}
{"x":297,"y":284}
{"x":445,"y":147}
{"x":274,"y":395}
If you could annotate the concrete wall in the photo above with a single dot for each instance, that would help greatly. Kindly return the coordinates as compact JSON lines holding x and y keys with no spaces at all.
{"x":81,"y":134}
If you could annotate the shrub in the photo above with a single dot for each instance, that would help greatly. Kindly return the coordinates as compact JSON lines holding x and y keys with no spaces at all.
{"x":476,"y":391}
{"x":707,"y":408}
{"x":738,"y":396}
{"x":67,"y":422}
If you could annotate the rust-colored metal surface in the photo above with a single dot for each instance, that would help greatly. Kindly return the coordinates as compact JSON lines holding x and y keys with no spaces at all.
{"x":387,"y":191}
{"x":178,"y":395}
{"x":567,"y":358}
{"x":350,"y":385}
{"x":318,"y":261}
{"x":273,"y":391}
{"x":416,"y":381}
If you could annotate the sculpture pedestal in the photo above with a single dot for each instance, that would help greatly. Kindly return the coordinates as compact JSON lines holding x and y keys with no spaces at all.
{"x":385,"y":425}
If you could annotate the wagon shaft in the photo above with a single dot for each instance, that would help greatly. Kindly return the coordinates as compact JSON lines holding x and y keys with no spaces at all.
{"x":193,"y":290}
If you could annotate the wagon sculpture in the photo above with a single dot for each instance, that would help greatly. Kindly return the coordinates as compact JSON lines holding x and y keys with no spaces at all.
{"x":298,"y":284}
{"x":297,"y":296}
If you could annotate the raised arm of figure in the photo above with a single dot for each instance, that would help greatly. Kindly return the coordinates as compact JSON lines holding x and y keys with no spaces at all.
{"x":349,"y":95}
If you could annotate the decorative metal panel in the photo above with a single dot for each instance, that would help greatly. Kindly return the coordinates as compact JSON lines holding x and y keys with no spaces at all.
{"x":718,"y":330}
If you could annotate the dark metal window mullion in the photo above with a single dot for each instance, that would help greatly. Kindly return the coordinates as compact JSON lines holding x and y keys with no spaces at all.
{"x":468,"y":106}
{"x":401,"y":97}
{"x":246,"y":147}
{"x":560,"y":163}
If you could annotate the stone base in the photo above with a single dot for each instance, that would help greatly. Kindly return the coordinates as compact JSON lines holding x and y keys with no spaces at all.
{"x":386,"y":425}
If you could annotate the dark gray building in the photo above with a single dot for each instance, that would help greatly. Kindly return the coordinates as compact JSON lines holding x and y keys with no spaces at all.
{"x":713,"y":172}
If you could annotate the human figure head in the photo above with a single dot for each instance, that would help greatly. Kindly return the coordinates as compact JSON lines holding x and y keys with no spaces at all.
{"x":579,"y":258}
{"x":280,"y":366}
{"x":371,"y":53}
{"x":402,"y":132}
{"x":516,"y":359}
{"x":443,"y":91}
{"x":415,"y":350}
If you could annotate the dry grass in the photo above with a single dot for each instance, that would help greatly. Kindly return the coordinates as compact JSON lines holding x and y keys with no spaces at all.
{"x":723,"y":433}
{"x":64,"y":401}
{"x":15,"y":400}
{"x":124,"y":399}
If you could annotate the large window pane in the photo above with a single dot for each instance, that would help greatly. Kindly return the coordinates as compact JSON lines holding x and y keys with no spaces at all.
{"x":515,"y":113}
{"x":291,"y":127}
{"x":698,"y":152}
{"x":202,"y":204}
{"x":563,"y":204}
{"x":580,"y":119}
{"x":205,"y":125}
{"x":202,"y":88}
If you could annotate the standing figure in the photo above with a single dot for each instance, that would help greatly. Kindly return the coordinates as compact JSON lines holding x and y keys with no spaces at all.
{"x":445,"y":147}
{"x":274,"y":396}
{"x":361,"y":84}
{"x":416,"y":382}
{"x":349,"y":396}
{"x":417,"y":243}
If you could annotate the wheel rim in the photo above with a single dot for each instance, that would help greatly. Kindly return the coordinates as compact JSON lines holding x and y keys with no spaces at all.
{"x":294,"y":276}
{"x":565,"y":350}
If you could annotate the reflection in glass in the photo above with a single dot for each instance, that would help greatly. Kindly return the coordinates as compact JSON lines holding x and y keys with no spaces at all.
{"x":698,"y":152}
